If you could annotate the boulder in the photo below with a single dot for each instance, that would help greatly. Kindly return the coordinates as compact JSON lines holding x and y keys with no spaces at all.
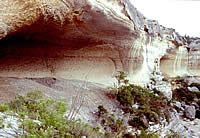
{"x":190,"y":112}
{"x":195,"y":104}
{"x":193,"y":89}
{"x":191,"y":79}
{"x":179,"y":106}
{"x":183,"y":104}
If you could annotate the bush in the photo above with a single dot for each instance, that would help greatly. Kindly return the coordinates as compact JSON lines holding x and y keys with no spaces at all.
{"x":182,"y":93}
{"x":112,"y":125}
{"x":101,"y":110}
{"x":3,"y":107}
{"x":42,"y":117}
{"x":150,"y":106}
{"x":180,"y":80}
{"x":173,"y":134}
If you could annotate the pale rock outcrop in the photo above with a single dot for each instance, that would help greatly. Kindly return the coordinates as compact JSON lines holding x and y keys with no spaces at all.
{"x":81,"y":47}
{"x":179,"y":105}
{"x":181,"y":61}
{"x":11,"y":125}
{"x":190,"y":112}
{"x":178,"y":127}
{"x":85,"y":40}
{"x":193,"y":89}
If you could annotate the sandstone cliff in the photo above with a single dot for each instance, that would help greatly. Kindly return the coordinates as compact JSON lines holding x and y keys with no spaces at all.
{"x":86,"y":39}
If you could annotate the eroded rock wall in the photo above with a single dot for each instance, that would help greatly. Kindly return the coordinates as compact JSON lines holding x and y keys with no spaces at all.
{"x":181,"y":61}
{"x":84,"y":40}
{"x":91,"y":42}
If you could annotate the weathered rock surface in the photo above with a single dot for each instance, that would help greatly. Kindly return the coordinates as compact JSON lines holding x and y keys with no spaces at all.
{"x":193,"y":89}
{"x":190,"y":112}
{"x":159,"y":84}
{"x":10,"y":125}
{"x":178,"y":127}
{"x":76,"y":93}
{"x":84,"y":40}
{"x":181,"y":61}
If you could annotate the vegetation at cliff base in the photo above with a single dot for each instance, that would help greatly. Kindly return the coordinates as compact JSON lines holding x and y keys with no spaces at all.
{"x":148,"y":106}
{"x":140,"y":108}
{"x":143,"y":105}
{"x":45,"y":117}
{"x":182,"y":92}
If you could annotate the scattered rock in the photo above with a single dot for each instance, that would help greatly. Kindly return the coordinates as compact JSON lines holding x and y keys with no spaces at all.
{"x":160,"y":85}
{"x":193,"y":89}
{"x":195,"y":99}
{"x":190,"y":112}
{"x":178,"y":104}
{"x":190,"y":80}
{"x":183,"y":104}
{"x":195,"y":105}
{"x":11,"y":126}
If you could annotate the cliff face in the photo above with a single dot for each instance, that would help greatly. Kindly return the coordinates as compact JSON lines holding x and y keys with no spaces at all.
{"x":85,"y":40}
{"x":91,"y":40}
{"x":183,"y":60}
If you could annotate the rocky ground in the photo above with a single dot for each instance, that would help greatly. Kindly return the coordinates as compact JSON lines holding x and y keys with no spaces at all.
{"x":183,"y":119}
{"x":76,"y":93}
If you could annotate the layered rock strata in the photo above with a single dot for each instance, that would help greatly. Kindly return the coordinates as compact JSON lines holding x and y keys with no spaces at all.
{"x":85,"y":40}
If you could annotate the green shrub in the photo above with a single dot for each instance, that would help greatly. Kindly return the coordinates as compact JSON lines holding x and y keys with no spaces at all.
{"x":112,"y":125}
{"x":150,"y":106}
{"x":182,"y":93}
{"x":138,"y":122}
{"x":50,"y":115}
{"x":125,"y":97}
{"x":1,"y":122}
{"x":101,"y":110}
{"x":147,"y":134}
{"x":3,"y":107}
{"x":180,"y":80}
{"x":173,"y":134}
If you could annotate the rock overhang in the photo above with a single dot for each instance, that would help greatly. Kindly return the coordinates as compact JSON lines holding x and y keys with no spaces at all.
{"x":67,"y":35}
{"x":85,"y":35}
